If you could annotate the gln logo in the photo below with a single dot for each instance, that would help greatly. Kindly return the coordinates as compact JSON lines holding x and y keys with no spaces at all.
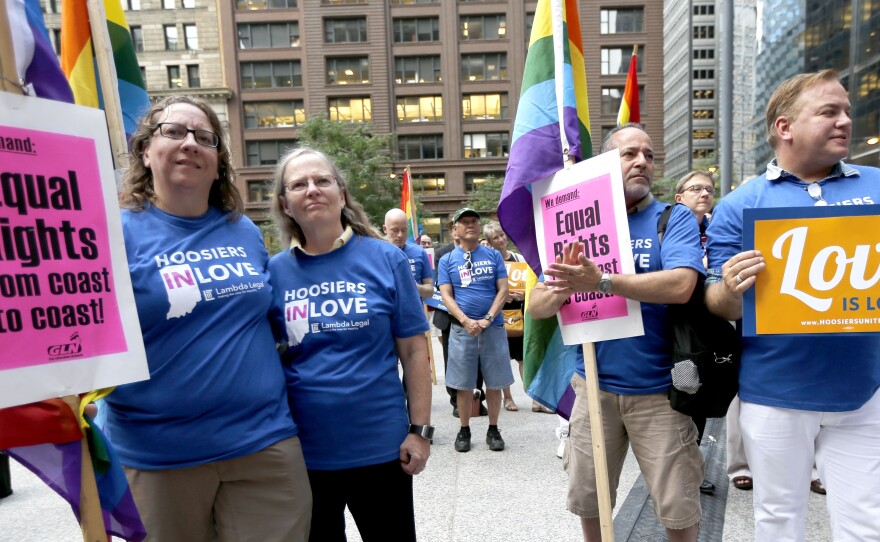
{"x":67,"y":350}
{"x":591,"y":314}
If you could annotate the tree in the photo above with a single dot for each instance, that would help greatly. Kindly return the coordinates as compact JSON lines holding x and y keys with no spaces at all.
{"x":363,"y":158}
{"x":486,"y":195}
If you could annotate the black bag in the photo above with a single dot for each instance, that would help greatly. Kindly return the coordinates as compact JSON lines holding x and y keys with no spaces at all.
{"x":706,"y":353}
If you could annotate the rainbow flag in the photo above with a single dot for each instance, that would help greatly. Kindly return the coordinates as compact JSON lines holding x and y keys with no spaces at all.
{"x":409,"y":206}
{"x":629,"y":105}
{"x":35,"y":59}
{"x":78,"y":61}
{"x":552,"y":121}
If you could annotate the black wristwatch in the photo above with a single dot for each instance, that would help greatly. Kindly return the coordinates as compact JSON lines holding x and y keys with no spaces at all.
{"x":424,"y":431}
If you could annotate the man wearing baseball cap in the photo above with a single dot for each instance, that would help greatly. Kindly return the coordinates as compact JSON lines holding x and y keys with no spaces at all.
{"x":473,"y":282}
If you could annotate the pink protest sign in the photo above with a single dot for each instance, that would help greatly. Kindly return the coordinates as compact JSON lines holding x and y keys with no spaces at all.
{"x":585,"y":204}
{"x":68,"y":322}
{"x":56,"y":277}
{"x":575,"y":214}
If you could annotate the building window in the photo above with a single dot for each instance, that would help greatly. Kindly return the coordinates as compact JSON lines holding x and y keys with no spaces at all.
{"x":530,"y":20}
{"x":704,"y":94}
{"x":174,"y":80}
{"x":704,"y":114}
{"x":489,"y":145}
{"x":56,"y":40}
{"x":423,"y":147}
{"x":483,"y":27}
{"x":704,"y":10}
{"x":429,"y":183}
{"x":704,"y":74}
{"x":266,"y":153}
{"x":171,"y":43}
{"x":611,"y":97}
{"x":484,"y":106}
{"x":191,"y":37}
{"x":421,"y":29}
{"x":168,"y":4}
{"x":473,"y":180}
{"x":143,"y":75}
{"x":704,"y":133}
{"x":417,"y":69}
{"x":355,"y":110}
{"x":192,"y":75}
{"x":702,"y":154}
{"x":408,"y":2}
{"x":704,"y":32}
{"x":259,"y":191}
{"x":137,"y":38}
{"x":268,"y":35}
{"x":264,"y":4}
{"x":615,"y":60}
{"x":282,"y":114}
{"x":348,"y":70}
{"x":281,"y":74}
{"x":619,"y":21}
{"x":189,"y":4}
{"x":133,"y":5}
{"x":484,"y":67}
{"x":419,"y":108}
{"x":345,"y":30}
{"x":341,"y":2}
{"x":704,"y":54}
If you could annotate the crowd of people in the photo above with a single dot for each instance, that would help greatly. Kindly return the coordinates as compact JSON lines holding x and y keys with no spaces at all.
{"x":293,"y":389}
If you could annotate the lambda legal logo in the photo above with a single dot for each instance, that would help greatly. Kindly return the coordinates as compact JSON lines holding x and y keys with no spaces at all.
{"x":591,"y":314}
{"x":70,"y":349}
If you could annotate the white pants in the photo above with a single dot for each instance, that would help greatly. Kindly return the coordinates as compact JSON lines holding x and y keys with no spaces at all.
{"x":780,"y":444}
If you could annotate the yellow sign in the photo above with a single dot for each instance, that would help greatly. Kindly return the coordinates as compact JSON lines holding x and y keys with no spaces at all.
{"x":822,"y":275}
{"x":516,"y":275}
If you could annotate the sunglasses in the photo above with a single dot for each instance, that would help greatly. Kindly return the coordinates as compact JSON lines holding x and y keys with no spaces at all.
{"x":468,"y":264}
{"x":815,"y":192}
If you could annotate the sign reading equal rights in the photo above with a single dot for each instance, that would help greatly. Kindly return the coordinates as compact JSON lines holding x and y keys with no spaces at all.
{"x":823,"y":270}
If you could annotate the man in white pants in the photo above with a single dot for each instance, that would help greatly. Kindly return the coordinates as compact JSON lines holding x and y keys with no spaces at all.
{"x":803,"y":396}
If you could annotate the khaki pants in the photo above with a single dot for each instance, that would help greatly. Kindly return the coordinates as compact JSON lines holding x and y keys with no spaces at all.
{"x":261,"y":497}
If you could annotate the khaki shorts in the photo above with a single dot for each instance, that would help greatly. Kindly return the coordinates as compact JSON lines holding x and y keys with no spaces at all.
{"x":664,"y":442}
{"x":264,"y":496}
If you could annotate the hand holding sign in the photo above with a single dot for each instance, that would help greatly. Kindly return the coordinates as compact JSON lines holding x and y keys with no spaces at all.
{"x":574,"y":272}
{"x":740,"y":272}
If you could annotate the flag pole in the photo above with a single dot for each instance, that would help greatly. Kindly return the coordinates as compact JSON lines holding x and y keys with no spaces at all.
{"x":430,"y":349}
{"x":108,"y":78}
{"x":91,"y":519}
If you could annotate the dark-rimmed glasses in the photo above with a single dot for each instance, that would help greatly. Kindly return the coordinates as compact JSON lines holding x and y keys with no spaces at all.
{"x":698,"y":190}
{"x":172,"y":130}
{"x":815,"y":192}
{"x":468,"y":264}
{"x":302,"y":185}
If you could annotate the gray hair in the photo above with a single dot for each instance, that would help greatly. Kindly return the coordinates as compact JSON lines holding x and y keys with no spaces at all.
{"x":606,"y":143}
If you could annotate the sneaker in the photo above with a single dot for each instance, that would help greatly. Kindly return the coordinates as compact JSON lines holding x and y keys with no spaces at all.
{"x":563,"y":440}
{"x":494,"y":440}
{"x":463,"y":441}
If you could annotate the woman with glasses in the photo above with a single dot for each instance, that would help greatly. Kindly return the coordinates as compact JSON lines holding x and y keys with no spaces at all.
{"x":209,"y":445}
{"x":348,"y":309}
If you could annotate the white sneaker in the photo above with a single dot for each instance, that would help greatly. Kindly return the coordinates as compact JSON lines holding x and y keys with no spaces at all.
{"x":563,"y":440}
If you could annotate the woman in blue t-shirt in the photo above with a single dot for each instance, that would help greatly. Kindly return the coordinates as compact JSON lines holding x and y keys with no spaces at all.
{"x":348,"y":308}
{"x":209,"y":445}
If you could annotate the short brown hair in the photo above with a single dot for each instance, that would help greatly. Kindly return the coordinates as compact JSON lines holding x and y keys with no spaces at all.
{"x":138,"y":187}
{"x":784,"y":101}
{"x":679,"y":186}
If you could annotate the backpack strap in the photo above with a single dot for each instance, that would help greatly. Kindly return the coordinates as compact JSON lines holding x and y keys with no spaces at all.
{"x":663,"y":221}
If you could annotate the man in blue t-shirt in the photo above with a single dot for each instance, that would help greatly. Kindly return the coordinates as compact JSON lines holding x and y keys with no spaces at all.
{"x":473,"y":283}
{"x":803,"y":396}
{"x":634,"y":373}
{"x":395,"y":232}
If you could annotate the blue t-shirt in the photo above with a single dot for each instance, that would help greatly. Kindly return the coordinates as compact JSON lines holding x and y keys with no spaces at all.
{"x":475,"y":299}
{"x":216,"y":388}
{"x":340,"y":313}
{"x":419,"y":264}
{"x":642,"y":365}
{"x":817,"y":373}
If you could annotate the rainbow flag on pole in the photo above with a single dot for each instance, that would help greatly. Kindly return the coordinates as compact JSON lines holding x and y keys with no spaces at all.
{"x":35,"y":59}
{"x":78,"y":60}
{"x":552,"y":123}
{"x":409,"y":206}
{"x":629,"y":105}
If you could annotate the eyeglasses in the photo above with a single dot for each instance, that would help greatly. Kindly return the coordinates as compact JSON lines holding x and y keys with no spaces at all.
{"x":172,"y":130}
{"x":815,"y":192}
{"x":468,"y":264}
{"x":302,"y":185}
{"x":697,"y":189}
